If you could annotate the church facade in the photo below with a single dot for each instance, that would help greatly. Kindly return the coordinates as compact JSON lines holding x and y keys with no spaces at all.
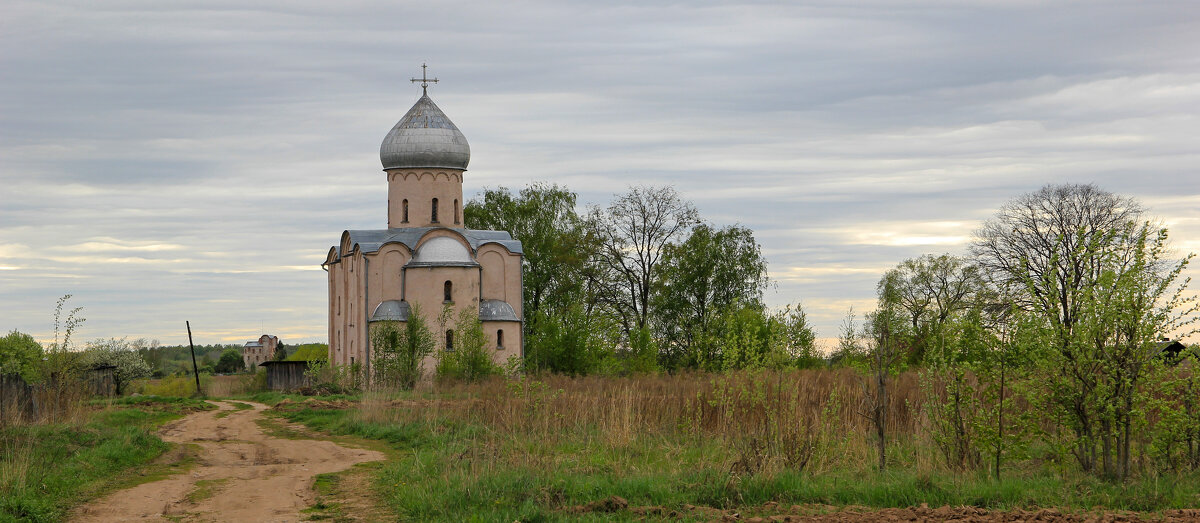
{"x":426,"y":256}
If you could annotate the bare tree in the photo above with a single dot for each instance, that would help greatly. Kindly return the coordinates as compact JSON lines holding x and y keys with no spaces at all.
{"x":1037,"y":247}
{"x":634,"y":232}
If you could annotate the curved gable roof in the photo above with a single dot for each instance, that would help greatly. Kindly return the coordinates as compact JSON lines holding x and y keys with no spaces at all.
{"x":372,"y":240}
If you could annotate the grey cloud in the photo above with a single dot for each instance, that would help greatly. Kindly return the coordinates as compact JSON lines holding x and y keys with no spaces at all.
{"x":248,"y":135}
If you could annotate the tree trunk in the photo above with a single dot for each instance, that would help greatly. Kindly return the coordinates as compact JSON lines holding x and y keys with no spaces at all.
{"x":1125,"y":437}
{"x":1000,"y":420}
{"x":881,"y":415}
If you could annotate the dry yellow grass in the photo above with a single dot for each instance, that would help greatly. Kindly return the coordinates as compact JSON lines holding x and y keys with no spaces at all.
{"x":769,"y":419}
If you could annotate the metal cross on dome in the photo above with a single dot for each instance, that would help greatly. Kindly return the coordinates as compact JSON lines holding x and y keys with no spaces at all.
{"x":424,"y":79}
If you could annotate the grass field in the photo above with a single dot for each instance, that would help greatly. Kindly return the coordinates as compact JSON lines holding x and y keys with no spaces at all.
{"x":557,"y":448}
{"x":691,"y":447}
{"x":46,"y":469}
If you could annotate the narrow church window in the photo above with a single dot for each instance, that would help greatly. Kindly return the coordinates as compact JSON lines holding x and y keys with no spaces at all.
{"x":448,"y":292}
{"x":499,"y":339}
{"x":405,"y":215}
{"x":434,"y":220}
{"x":450,"y":340}
{"x":455,"y":211}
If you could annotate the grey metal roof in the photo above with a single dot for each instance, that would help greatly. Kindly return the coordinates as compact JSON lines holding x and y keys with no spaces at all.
{"x":372,"y":239}
{"x":496,"y":310}
{"x":425,"y":137}
{"x":390,"y":310}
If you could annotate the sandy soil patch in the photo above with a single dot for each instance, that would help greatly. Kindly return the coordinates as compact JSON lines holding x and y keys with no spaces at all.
{"x":241,"y":474}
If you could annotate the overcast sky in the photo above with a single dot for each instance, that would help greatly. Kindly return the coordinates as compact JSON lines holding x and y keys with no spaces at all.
{"x":172,"y":161}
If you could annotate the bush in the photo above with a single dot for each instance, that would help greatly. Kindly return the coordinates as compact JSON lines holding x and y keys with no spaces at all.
{"x":20,"y":354}
{"x":329,"y":379}
{"x":470,"y":359}
{"x":230,"y":362}
{"x":399,"y":351}
{"x":569,"y":341}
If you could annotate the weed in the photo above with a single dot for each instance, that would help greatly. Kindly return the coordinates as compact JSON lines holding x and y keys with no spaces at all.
{"x":204,"y":489}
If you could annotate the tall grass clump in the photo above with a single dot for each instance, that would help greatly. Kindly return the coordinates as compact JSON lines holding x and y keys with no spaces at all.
{"x":45,"y":469}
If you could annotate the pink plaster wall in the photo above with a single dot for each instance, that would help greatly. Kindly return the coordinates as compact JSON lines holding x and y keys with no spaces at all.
{"x":420,"y":187}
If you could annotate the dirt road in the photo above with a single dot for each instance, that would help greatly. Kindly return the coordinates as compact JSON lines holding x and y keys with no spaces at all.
{"x":241,"y":474}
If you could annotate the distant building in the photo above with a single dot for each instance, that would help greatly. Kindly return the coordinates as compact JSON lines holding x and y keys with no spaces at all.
{"x":257,"y":352}
{"x":426,"y":256}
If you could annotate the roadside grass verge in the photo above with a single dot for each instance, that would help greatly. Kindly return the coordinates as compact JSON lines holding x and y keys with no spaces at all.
{"x":47,"y":469}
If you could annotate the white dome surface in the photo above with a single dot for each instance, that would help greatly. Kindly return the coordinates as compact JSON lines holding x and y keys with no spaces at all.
{"x":443,"y":250}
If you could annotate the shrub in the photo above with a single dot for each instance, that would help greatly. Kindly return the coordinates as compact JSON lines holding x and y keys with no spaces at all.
{"x":329,"y":379}
{"x":399,"y":350}
{"x":20,"y":354}
{"x":470,"y":359}
{"x":230,"y":362}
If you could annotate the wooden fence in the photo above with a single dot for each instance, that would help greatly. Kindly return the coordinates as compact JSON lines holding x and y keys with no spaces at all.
{"x":21,"y":401}
{"x":17,"y":400}
{"x":286,"y":375}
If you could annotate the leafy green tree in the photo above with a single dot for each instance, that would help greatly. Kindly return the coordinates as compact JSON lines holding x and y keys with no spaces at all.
{"x":310,"y":352}
{"x":930,"y":291}
{"x":884,"y":333}
{"x":231,"y":361}
{"x":570,"y":341}
{"x":793,"y":337}
{"x":558,"y":246}
{"x":554,"y":237}
{"x":1136,"y":298}
{"x":1102,"y":290}
{"x":400,"y":350}
{"x":642,"y":356}
{"x":20,"y":354}
{"x":710,"y":275}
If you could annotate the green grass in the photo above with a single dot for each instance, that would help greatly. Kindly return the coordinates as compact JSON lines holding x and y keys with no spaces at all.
{"x":273,"y":398}
{"x":325,"y":485}
{"x":204,"y":489}
{"x":450,"y":471}
{"x":237,"y":406}
{"x":47,"y":469}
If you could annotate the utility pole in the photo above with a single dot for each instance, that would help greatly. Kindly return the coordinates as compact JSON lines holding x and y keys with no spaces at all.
{"x":195,"y":371}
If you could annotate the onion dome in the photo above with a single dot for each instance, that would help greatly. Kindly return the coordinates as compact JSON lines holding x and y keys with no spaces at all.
{"x":425,"y":137}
